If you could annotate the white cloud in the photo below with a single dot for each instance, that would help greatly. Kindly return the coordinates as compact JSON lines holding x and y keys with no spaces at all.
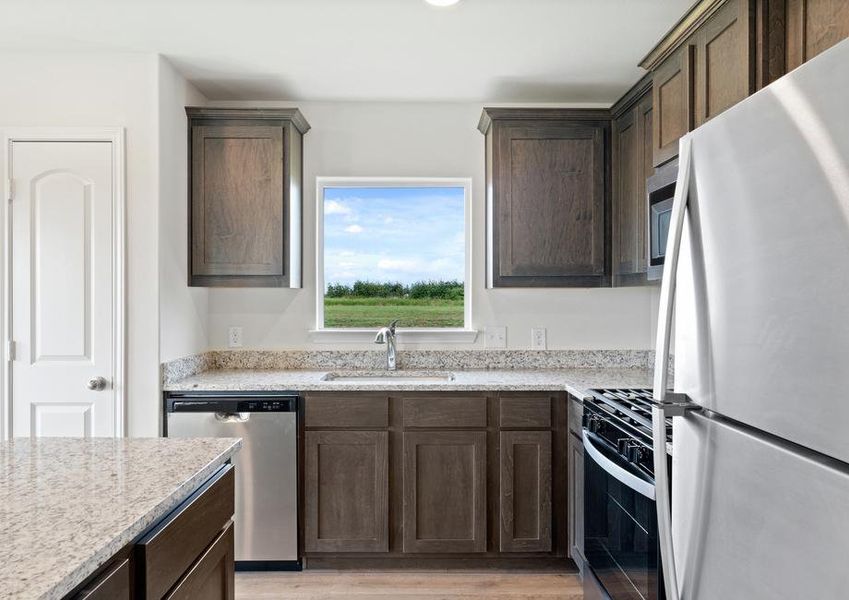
{"x":354,"y":228}
{"x":334,"y":207}
{"x":389,"y":264}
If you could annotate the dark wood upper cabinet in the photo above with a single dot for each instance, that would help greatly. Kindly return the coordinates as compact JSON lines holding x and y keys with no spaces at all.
{"x":632,"y":164}
{"x":813,"y":26}
{"x":245,"y":171}
{"x":547,"y":194}
{"x":444,"y":491}
{"x":724,"y":63}
{"x":346,"y":487}
{"x":673,"y":103}
{"x":721,"y":51}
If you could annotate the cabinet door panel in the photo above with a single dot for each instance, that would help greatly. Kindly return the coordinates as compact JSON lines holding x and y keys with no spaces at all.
{"x":673,"y":103}
{"x":724,"y":66}
{"x":211,"y":577}
{"x":549,"y":209}
{"x":575,"y":470}
{"x":814,"y":26}
{"x":164,"y":553}
{"x":645,"y":113}
{"x":525,"y":484}
{"x":632,"y":165}
{"x":115,"y":584}
{"x":237,"y":200}
{"x":346,"y":491}
{"x":627,"y":168}
{"x":444,"y":491}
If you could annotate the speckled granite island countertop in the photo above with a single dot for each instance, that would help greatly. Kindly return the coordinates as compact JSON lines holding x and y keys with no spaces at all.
{"x":68,"y":505}
{"x":575,"y":381}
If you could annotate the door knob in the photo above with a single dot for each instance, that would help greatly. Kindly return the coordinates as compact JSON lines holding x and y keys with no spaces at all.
{"x":96,"y":384}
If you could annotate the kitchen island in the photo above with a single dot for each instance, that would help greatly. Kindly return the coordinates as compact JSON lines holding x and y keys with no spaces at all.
{"x":69,"y":507}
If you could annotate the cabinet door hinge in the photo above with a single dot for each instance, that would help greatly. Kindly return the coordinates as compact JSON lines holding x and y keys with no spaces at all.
{"x":10,"y":189}
{"x":11,"y":348}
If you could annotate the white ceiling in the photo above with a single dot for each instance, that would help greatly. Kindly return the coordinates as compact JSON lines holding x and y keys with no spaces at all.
{"x":480,"y":50}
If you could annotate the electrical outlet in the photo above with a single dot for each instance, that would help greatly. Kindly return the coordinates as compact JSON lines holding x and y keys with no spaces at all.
{"x":538,"y":338}
{"x":234,"y":337}
{"x":495,"y":337}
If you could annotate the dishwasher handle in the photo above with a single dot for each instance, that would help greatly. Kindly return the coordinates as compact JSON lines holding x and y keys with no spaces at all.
{"x":229,"y":417}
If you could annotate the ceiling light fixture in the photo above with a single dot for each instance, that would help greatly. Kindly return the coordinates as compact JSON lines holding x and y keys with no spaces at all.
{"x":442,"y":3}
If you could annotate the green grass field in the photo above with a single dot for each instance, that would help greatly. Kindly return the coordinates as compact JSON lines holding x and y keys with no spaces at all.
{"x":376,"y":312}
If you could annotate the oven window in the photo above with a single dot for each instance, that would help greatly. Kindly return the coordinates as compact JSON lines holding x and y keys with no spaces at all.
{"x":620,"y":535}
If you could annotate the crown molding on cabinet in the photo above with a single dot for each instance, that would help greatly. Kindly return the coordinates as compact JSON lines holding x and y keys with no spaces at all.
{"x":260,"y":114}
{"x":540,"y":114}
{"x":689,"y":23}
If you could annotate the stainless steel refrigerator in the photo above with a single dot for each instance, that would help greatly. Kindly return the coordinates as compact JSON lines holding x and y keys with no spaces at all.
{"x":757,"y":269}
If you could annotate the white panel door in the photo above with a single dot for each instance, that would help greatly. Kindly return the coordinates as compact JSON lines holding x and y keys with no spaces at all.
{"x":62,"y":289}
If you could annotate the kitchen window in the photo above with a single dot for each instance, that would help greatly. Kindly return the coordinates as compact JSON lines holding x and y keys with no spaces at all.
{"x":393,"y":248}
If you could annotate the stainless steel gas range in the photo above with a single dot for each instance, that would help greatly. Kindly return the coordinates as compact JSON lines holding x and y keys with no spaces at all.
{"x":620,"y":520}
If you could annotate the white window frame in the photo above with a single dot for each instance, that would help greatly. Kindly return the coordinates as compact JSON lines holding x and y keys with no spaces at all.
{"x":463,"y":334}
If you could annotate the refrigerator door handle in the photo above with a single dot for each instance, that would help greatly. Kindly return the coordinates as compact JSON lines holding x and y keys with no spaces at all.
{"x":661,"y":370}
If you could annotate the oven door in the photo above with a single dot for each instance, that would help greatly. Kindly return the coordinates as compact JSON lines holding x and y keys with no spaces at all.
{"x":620,"y":524}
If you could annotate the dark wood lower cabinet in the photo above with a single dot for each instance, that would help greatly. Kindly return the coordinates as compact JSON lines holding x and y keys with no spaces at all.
{"x":444,"y":491}
{"x":211,"y":577}
{"x":575,"y":471}
{"x":188,"y":554}
{"x":114,"y":584}
{"x":346,"y":483}
{"x":525,"y":491}
{"x":434,"y":480}
{"x":166,"y":553}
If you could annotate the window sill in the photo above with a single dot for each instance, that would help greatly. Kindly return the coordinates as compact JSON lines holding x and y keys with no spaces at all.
{"x":405,"y":336}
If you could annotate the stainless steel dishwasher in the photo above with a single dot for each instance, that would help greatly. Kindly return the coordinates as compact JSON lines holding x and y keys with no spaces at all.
{"x":266,"y":519}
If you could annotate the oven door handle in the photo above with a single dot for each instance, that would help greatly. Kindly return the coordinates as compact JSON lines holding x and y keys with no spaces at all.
{"x":640,"y":486}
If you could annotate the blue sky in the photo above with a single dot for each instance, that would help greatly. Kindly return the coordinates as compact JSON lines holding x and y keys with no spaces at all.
{"x":393,"y":234}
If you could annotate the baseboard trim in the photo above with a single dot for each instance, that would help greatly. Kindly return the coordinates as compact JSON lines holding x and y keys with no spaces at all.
{"x":414,"y":563}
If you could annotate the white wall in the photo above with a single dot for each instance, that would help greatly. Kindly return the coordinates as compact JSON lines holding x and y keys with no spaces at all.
{"x":107,"y":90}
{"x":418,"y":139}
{"x":182,"y":309}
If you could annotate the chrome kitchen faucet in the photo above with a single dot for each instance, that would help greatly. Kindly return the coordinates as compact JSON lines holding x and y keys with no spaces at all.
{"x":386,"y":335}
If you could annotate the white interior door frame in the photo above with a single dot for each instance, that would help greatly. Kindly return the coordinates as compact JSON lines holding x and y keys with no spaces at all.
{"x":116,"y":136}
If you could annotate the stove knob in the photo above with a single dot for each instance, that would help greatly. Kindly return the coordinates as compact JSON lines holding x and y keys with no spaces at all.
{"x":592,"y":423}
{"x":623,"y":445}
{"x":635,"y":453}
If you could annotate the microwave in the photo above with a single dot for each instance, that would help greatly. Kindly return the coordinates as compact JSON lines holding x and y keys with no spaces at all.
{"x":661,"y":193}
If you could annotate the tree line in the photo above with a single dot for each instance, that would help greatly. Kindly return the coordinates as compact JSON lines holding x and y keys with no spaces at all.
{"x":439,"y":290}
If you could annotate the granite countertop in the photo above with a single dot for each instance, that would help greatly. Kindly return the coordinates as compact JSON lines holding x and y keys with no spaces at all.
{"x":68,"y":505}
{"x":576,"y":381}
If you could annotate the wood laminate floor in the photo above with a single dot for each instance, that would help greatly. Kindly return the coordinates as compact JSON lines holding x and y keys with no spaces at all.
{"x":419,"y":585}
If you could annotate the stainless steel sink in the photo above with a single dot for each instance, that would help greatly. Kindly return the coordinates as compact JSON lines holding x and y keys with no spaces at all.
{"x":389,"y":377}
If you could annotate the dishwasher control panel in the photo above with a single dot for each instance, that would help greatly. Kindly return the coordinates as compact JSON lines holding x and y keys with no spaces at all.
{"x":231,"y":404}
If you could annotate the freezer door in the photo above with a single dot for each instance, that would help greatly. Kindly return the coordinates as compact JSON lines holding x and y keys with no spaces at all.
{"x":762,"y":308}
{"x":753,"y":520}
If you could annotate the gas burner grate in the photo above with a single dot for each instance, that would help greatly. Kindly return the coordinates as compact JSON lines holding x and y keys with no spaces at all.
{"x":627,"y":409}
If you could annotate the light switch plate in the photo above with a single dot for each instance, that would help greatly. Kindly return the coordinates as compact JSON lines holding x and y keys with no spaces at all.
{"x":495,"y":337}
{"x":234,"y":337}
{"x":538,"y":338}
